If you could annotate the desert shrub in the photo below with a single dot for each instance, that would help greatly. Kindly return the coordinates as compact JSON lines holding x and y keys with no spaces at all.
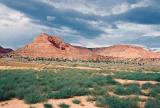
{"x":85,"y":83}
{"x":32,"y":98}
{"x":152,"y":104}
{"x":133,"y":89}
{"x":113,"y":102}
{"x":158,"y":97}
{"x":76,"y":101}
{"x":6,"y":95}
{"x":48,"y":106}
{"x":68,"y":92}
{"x":138,"y":76}
{"x":155,"y":90}
{"x":98,"y":91}
{"x":153,"y":93}
{"x":20,"y":92}
{"x":128,"y":90}
{"x":103,"y":80}
{"x":147,"y":86}
{"x":120,"y":90}
{"x":36,"y":86}
{"x":63,"y":105}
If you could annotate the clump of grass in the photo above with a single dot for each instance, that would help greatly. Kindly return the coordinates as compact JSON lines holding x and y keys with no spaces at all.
{"x":48,"y":106}
{"x":63,"y":105}
{"x":76,"y":101}
{"x":152,"y":104}
{"x":113,"y":102}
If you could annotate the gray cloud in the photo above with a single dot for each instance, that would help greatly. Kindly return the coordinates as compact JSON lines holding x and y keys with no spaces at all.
{"x":89,"y":22}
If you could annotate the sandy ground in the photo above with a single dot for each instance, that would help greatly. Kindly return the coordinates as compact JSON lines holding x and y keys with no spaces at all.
{"x":42,"y":68}
{"x":14,"y":68}
{"x":11,"y":64}
{"x":141,"y":97}
{"x":125,"y":82}
{"x":15,"y":103}
{"x":78,"y":67}
{"x":5,"y":65}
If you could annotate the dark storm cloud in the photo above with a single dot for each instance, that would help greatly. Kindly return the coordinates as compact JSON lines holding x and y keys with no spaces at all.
{"x":141,"y":15}
{"x":147,"y":15}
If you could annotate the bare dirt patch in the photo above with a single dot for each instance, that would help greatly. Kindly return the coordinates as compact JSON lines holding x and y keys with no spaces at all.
{"x":85,"y":68}
{"x":9,"y":65}
{"x":15,"y":103}
{"x":126,"y":82}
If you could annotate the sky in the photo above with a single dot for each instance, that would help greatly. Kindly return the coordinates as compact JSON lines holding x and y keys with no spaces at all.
{"x":89,"y":23}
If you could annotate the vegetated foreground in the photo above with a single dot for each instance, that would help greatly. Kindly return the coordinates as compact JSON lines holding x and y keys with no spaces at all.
{"x":60,"y":88}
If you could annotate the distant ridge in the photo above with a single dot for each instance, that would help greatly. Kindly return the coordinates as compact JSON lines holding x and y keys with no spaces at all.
{"x":4,"y":50}
{"x":50,"y":46}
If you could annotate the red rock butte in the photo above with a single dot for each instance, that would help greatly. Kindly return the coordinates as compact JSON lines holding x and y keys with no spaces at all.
{"x":48,"y":46}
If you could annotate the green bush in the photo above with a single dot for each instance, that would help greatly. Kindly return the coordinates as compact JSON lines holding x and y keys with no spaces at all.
{"x":113,"y":102}
{"x":98,"y":91}
{"x":76,"y":101}
{"x":6,"y":95}
{"x":120,"y":90}
{"x":33,"y":98}
{"x":155,"y":90}
{"x":152,"y":104}
{"x":33,"y":86}
{"x":37,"y":86}
{"x":103,"y":80}
{"x":138,"y":76}
{"x":128,"y":90}
{"x":158,"y":97}
{"x":69,"y":92}
{"x":133,"y":89}
{"x":63,"y":105}
{"x":48,"y":106}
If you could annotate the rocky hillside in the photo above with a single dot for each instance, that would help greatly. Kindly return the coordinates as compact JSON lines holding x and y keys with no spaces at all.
{"x":126,"y":51}
{"x":48,"y":46}
{"x":4,"y":50}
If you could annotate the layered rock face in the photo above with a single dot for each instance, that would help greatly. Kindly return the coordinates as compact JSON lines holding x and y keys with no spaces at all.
{"x":48,"y":46}
{"x":4,"y":50}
